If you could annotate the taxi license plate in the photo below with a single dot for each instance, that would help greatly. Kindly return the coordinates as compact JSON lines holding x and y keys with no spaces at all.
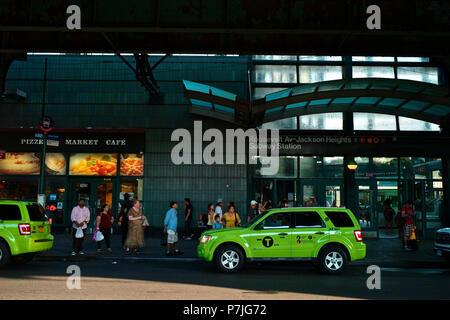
{"x":41,"y":229}
{"x":439,"y":252}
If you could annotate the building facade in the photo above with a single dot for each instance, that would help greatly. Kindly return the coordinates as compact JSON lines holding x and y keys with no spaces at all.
{"x":112,"y":138}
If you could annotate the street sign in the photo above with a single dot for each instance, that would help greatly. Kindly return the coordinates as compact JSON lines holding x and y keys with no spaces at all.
{"x":46,"y":124}
{"x":39,"y":135}
{"x":53,"y":143}
{"x":52,"y":137}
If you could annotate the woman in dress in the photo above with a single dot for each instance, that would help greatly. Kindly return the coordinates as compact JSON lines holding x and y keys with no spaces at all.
{"x":135,"y":236}
{"x":231,"y":219}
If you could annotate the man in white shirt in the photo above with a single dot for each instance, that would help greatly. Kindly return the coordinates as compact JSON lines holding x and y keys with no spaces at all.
{"x":219,"y":206}
{"x":80,"y":217}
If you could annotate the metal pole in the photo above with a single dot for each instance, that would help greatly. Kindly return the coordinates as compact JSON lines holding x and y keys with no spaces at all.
{"x":44,"y":148}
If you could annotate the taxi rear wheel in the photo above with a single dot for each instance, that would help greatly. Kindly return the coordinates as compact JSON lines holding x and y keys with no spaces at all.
{"x":332,"y":260}
{"x":5,"y":255}
{"x":229,"y":259}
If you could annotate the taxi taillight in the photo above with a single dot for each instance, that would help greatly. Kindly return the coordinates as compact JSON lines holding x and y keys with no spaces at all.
{"x":24,"y":229}
{"x":358,"y":235}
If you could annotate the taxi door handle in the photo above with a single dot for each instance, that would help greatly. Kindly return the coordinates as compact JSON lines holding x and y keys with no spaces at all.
{"x":282,"y":234}
{"x":320,"y":232}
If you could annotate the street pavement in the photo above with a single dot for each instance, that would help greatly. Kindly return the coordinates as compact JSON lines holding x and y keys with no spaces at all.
{"x":381,"y":252}
{"x":174,"y":280}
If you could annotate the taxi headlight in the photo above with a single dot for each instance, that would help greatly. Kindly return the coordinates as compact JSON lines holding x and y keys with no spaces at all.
{"x":205,"y":239}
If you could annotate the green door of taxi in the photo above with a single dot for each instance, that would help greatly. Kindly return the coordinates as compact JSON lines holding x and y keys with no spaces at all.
{"x":309,"y":233}
{"x":272,"y":238}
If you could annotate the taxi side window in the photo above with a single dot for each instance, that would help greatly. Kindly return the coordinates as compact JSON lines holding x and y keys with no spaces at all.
{"x":10,"y":212}
{"x":308,"y":219}
{"x":277,"y":220}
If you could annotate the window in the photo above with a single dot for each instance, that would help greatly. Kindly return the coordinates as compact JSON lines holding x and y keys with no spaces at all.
{"x":259,"y":93}
{"x":287,"y":168}
{"x":374,"y":121}
{"x":321,"y":167}
{"x":274,"y":74}
{"x":322,"y":121}
{"x":422,"y":74}
{"x":283,"y":124}
{"x":385,"y":167}
{"x":340,"y":219}
{"x":10,"y":212}
{"x":310,"y":74}
{"x":373,"y":72}
{"x":308,"y":219}
{"x":373,"y":59}
{"x":134,"y":187}
{"x":36,"y":212}
{"x":277,"y":221}
{"x":268,"y":57}
{"x":409,"y":124}
{"x":18,"y":188}
{"x":320,"y":58}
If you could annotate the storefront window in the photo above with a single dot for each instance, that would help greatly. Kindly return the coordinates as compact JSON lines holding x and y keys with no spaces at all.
{"x":322,"y":121}
{"x":134,"y":187}
{"x":421,"y":168}
{"x":364,"y":169}
{"x":434,"y":196}
{"x":93,"y":164}
{"x":287,"y":168}
{"x":321,"y":167}
{"x":18,"y":188}
{"x":132,"y":164}
{"x":55,"y":164}
{"x":24,"y":163}
{"x":385,"y":168}
{"x":54,"y":204}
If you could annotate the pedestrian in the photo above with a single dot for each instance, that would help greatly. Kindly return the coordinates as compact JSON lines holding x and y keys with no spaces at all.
{"x":135,"y":234}
{"x":253,"y":210}
{"x":188,"y":219}
{"x":218,"y":209}
{"x":231,"y":218}
{"x":103,"y":224}
{"x":217,"y":224}
{"x":210,"y":216}
{"x":123,"y":216}
{"x":170,"y":227}
{"x":388,"y":213}
{"x":407,"y":214}
{"x":80,"y":217}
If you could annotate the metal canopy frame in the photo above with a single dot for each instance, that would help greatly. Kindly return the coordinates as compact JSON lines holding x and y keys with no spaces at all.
{"x":413,"y":99}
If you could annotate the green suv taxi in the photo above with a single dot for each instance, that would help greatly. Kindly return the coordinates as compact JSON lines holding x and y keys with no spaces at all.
{"x":24,"y":231}
{"x":328,"y":236}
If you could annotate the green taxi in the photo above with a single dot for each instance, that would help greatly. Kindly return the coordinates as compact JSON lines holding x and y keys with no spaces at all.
{"x":330,"y":237}
{"x":24,"y":231}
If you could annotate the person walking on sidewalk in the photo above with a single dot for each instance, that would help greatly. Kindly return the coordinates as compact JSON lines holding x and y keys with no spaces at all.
{"x":103,"y":224}
{"x":135,"y":235}
{"x":170,"y":227}
{"x":188,"y":219}
{"x":123,"y":216}
{"x":253,"y":210}
{"x":219,"y":206}
{"x":231,"y":219}
{"x":407,"y":214}
{"x":80,"y":217}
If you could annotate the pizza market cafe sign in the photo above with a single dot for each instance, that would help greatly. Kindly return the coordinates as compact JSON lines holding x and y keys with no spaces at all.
{"x":79,"y":142}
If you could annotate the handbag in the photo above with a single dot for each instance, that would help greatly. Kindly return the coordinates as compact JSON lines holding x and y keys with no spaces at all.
{"x":145,"y":222}
{"x":79,"y":234}
{"x":99,"y":236}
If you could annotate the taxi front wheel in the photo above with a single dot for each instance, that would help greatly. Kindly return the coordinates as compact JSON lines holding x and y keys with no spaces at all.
{"x":229,"y":259}
{"x":332,"y":260}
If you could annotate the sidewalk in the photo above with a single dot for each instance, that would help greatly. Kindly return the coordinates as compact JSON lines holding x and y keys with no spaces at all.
{"x":381,"y":252}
